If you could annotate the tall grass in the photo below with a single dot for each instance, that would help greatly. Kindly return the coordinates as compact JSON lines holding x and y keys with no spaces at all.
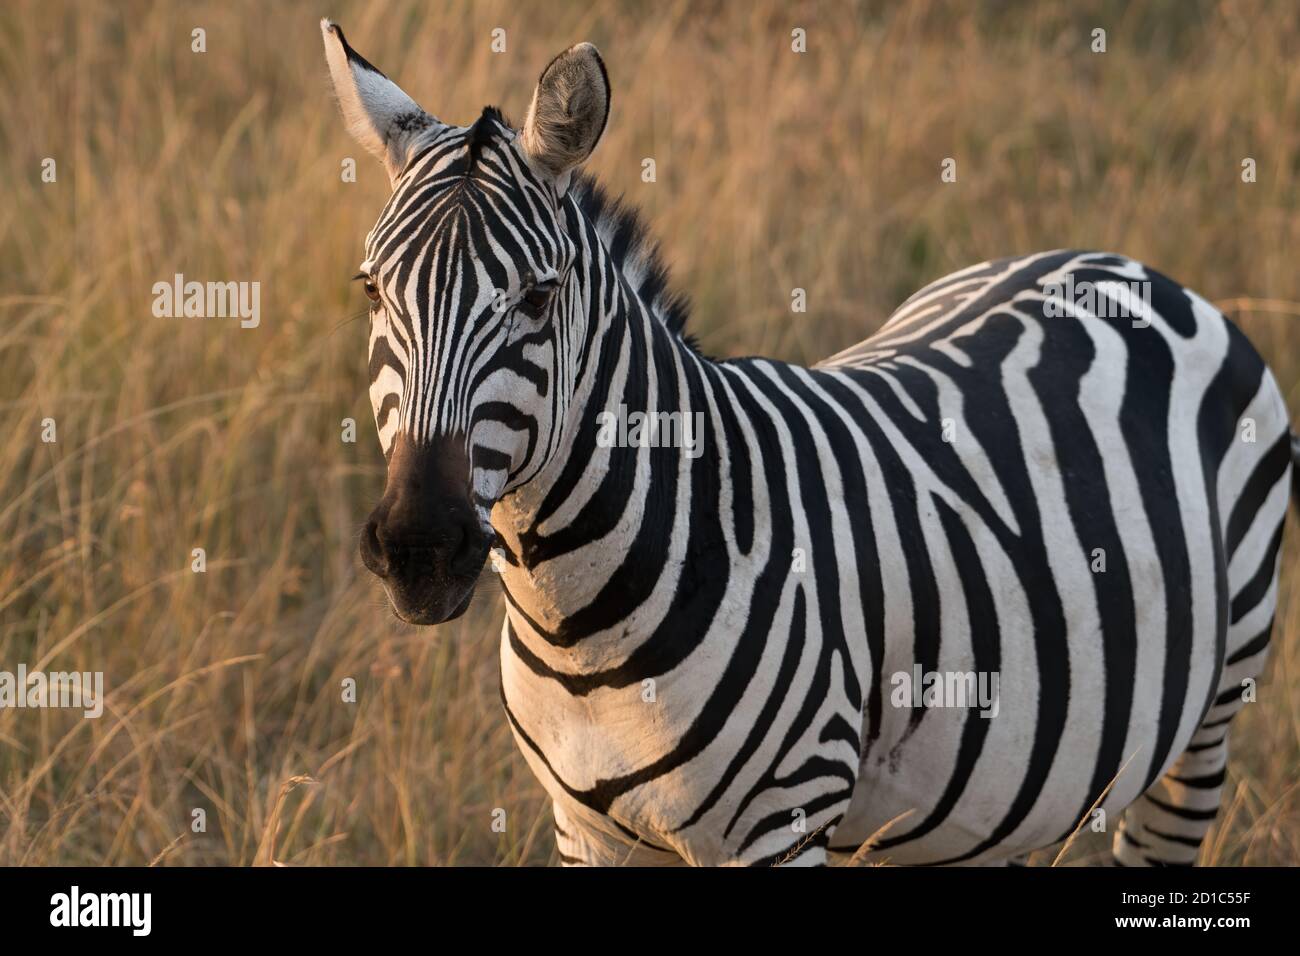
{"x":774,"y":170}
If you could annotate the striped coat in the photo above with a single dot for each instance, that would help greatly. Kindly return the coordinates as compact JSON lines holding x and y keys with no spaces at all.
{"x":998,"y":570}
{"x":1094,"y":529}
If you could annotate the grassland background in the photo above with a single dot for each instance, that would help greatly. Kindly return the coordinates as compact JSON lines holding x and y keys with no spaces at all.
{"x":775,"y":170}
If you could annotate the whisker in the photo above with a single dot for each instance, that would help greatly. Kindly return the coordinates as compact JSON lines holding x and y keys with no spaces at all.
{"x":349,"y":320}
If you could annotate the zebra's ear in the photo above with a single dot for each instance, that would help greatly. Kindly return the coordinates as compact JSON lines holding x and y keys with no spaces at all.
{"x":379,"y":115}
{"x":568,"y":114}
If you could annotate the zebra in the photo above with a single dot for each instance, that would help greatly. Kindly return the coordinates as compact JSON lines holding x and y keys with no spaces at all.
{"x":701,"y":654}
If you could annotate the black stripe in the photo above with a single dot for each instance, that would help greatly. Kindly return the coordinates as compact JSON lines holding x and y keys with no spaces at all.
{"x":1254,"y":590}
{"x":982,"y":616}
{"x":1194,"y":842}
{"x":1066,"y":355}
{"x":1267,"y":473}
{"x":1184,"y":813}
{"x":1144,"y":420}
{"x":1253,"y":647}
{"x":1210,"y":781}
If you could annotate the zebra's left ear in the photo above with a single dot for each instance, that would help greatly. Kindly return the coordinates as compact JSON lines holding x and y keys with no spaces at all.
{"x":379,"y":115}
{"x":568,"y":114}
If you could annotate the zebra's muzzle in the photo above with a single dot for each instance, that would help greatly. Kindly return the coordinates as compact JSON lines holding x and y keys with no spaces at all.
{"x":423,"y":540}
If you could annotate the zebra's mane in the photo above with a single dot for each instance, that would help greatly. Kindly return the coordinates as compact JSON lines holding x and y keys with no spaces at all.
{"x":621,"y":228}
{"x":635,"y":252}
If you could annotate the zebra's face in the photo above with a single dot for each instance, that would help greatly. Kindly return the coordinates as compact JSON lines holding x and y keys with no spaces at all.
{"x":471,"y":309}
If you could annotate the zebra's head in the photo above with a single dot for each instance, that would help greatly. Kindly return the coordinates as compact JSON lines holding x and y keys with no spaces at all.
{"x":471,"y":310}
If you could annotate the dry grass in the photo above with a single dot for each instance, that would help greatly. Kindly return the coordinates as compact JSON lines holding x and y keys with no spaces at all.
{"x":774,"y":171}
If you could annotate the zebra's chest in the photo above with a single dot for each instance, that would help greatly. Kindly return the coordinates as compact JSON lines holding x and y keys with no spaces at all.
{"x":691,"y":758}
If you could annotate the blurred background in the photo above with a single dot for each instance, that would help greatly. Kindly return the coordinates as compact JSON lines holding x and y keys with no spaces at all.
{"x":774,"y":170}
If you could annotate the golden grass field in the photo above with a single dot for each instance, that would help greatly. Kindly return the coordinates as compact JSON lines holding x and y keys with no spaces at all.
{"x":775,"y":170}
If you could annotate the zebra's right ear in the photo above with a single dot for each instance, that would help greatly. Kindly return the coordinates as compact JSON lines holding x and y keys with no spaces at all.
{"x":568,"y":113}
{"x":379,"y":115}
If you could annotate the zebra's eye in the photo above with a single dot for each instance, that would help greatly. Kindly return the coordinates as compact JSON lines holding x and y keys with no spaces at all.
{"x":372,"y":290}
{"x":537,"y":299}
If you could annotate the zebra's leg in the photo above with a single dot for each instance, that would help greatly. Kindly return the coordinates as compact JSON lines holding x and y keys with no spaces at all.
{"x":583,"y":844}
{"x":811,"y":856}
{"x":1166,"y":825}
{"x":576,"y":849}
{"x":803,"y":846}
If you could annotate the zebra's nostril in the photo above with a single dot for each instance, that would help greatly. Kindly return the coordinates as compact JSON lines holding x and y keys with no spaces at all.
{"x":468,"y":551}
{"x":373,"y":554}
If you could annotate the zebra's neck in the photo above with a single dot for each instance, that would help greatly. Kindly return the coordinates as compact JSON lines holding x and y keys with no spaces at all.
{"x":606,"y":545}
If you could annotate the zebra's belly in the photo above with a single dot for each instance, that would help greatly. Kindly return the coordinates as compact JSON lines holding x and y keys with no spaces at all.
{"x":1000,"y":744}
{"x":975,"y":783}
{"x":905,"y":810}
{"x":1012,"y":743}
